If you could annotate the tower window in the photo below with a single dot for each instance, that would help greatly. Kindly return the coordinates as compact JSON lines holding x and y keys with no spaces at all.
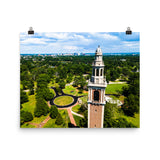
{"x":93,"y":72}
{"x":97,"y":74}
{"x":101,"y":72}
{"x":95,"y":110}
{"x":96,"y":95}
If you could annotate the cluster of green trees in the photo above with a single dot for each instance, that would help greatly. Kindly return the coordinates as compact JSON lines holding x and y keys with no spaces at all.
{"x":25,"y":117}
{"x":80,"y":82}
{"x":110,"y":119}
{"x":120,"y":66}
{"x":43,"y":94}
{"x":55,"y":114}
{"x":23,"y":97}
{"x":131,"y":92}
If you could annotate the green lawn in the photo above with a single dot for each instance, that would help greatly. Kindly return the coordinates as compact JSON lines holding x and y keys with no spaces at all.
{"x":51,"y":122}
{"x":38,"y":120}
{"x":30,"y":106}
{"x":52,"y":90}
{"x":114,"y":88}
{"x":63,"y":100}
{"x":70,"y":90}
{"x":76,"y":108}
{"x":26,"y":125}
{"x":135,"y":120}
{"x":84,"y":99}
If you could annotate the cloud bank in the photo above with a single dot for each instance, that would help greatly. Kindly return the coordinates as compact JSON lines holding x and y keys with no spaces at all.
{"x":71,"y":42}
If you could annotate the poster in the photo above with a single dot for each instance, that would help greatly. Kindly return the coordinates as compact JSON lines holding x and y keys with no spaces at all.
{"x":79,"y":80}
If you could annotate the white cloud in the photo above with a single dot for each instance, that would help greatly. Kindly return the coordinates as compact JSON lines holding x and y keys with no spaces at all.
{"x":105,"y":36}
{"x":33,"y":41}
{"x":60,"y":35}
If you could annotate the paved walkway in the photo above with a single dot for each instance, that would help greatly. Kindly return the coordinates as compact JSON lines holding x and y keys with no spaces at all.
{"x":117,"y":82}
{"x":79,"y":115}
{"x":44,"y":122}
{"x":71,"y":116}
{"x":40,"y":125}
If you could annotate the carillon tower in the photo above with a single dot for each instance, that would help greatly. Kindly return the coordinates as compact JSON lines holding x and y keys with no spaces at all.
{"x":96,"y":92}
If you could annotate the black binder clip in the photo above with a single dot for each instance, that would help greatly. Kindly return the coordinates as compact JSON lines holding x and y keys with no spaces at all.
{"x":128,"y":31}
{"x":31,"y":31}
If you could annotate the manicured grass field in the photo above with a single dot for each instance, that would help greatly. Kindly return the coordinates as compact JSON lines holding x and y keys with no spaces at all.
{"x":66,"y":120}
{"x":135,"y":120}
{"x":30,"y":106}
{"x":114,"y":88}
{"x":38,"y":120}
{"x":76,"y":108}
{"x":26,"y":125}
{"x":63,"y":100}
{"x":70,"y":90}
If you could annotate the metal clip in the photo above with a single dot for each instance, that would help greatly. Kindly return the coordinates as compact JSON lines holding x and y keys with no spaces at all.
{"x":31,"y":31}
{"x":128,"y":31}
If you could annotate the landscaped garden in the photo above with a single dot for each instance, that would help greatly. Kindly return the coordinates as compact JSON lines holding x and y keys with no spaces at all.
{"x":63,"y":100}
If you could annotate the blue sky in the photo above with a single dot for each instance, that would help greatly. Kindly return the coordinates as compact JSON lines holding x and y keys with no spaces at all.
{"x":86,"y":42}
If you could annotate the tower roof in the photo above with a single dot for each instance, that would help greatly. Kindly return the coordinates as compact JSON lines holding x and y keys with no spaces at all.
{"x":98,"y":50}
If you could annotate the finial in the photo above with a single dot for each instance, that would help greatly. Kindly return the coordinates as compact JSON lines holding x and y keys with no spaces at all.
{"x":98,"y":46}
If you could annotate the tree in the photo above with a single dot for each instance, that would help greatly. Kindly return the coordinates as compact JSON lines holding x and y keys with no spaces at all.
{"x":109,"y":111}
{"x":123,"y":123}
{"x":82,"y":108}
{"x":59,"y":119}
{"x":62,"y":84}
{"x":76,"y":82}
{"x":131,"y":102}
{"x":84,"y":122}
{"x":25,"y":116}
{"x":53,"y":112}
{"x":23,"y":97}
{"x":131,"y":105}
{"x":31,"y":87}
{"x":44,"y":93}
{"x":41,"y":107}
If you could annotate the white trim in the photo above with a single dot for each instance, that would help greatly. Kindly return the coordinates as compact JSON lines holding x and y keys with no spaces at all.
{"x":91,"y":96}
{"x":88,"y":115}
{"x":101,"y":95}
{"x":102,"y":116}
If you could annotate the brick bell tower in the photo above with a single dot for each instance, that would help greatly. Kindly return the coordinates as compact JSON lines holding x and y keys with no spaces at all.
{"x":96,"y":92}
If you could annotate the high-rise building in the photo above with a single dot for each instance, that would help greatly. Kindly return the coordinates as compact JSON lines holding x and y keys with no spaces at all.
{"x":96,"y":92}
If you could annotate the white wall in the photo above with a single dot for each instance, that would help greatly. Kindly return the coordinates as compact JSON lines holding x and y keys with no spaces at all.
{"x":70,"y":15}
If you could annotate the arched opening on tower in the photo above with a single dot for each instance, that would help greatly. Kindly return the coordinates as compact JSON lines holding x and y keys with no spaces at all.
{"x":96,"y":95}
{"x":101,"y":72}
{"x":93,"y":72}
{"x":97,"y":72}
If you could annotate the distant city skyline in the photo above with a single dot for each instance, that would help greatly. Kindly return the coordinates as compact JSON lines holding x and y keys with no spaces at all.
{"x":78,"y":42}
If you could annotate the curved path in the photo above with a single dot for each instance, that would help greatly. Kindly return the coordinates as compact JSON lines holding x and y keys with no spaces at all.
{"x":75,"y":98}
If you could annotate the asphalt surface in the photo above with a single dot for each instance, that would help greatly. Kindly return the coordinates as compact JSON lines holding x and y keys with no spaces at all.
{"x":75,"y":98}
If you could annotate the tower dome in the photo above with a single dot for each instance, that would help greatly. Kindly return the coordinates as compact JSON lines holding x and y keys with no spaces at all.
{"x":98,"y":50}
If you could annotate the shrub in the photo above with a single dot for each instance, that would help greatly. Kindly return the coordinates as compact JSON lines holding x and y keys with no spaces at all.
{"x":84,"y":122}
{"x":23,"y":97}
{"x":25,"y":116}
{"x":53,"y":112}
{"x":82,"y":108}
{"x":59,"y":119}
{"x":123,"y":123}
{"x":41,"y":107}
